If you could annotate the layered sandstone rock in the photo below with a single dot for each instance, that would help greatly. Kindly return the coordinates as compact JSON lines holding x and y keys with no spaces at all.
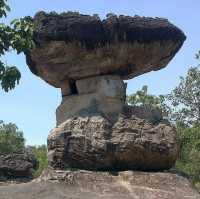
{"x":17,"y":165}
{"x":88,"y":58}
{"x":95,"y":143}
{"x":71,"y":46}
{"x":96,"y":95}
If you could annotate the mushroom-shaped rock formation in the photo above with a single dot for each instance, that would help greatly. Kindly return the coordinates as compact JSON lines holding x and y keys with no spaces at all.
{"x":88,"y":58}
{"x":72,"y":46}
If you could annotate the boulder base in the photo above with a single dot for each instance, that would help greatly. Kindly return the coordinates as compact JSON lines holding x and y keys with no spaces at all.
{"x":17,"y":165}
{"x":98,"y":143}
{"x":102,"y":185}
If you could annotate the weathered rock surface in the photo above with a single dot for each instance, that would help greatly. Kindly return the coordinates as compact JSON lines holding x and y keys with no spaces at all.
{"x":110,"y":86}
{"x":17,"y":165}
{"x":71,"y":46}
{"x":88,"y":58}
{"x":87,"y":105}
{"x":90,"y":185}
{"x":98,"y":143}
{"x":148,"y":113}
{"x":97,"y":95}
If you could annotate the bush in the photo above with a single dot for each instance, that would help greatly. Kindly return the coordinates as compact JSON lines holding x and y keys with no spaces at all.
{"x":189,"y":160}
{"x":152,"y":102}
{"x":40,"y":153}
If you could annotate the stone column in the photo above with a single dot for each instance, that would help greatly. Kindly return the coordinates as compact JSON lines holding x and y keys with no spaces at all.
{"x":96,"y":95}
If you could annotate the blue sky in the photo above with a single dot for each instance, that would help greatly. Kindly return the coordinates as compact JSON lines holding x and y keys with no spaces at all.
{"x":33,"y":103}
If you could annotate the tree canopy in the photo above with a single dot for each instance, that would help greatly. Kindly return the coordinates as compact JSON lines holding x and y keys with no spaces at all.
{"x":185,"y":98}
{"x":40,"y":153}
{"x":17,"y":36}
{"x":182,"y":105}
{"x":11,"y":139}
{"x":144,"y":99}
{"x":189,"y":160}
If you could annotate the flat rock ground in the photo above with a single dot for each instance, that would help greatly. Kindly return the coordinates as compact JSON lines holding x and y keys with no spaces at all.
{"x":95,"y":185}
{"x":45,"y":190}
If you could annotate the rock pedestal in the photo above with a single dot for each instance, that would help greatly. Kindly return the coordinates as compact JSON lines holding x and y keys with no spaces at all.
{"x":96,"y":143}
{"x":95,"y":131}
{"x":96,"y":95}
{"x":88,"y":58}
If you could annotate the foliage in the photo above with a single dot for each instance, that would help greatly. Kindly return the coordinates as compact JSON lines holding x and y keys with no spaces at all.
{"x":189,"y":160}
{"x":142,"y":98}
{"x":185,"y":101}
{"x":18,"y":36}
{"x":11,"y":139}
{"x":40,"y":153}
{"x":185,"y":98}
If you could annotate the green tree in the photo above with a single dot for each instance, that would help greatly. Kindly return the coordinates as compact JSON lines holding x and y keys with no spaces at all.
{"x":185,"y":106}
{"x":185,"y":98}
{"x":17,"y":36}
{"x":143,"y":99}
{"x":11,"y":139}
{"x":40,"y":153}
{"x":189,"y":160}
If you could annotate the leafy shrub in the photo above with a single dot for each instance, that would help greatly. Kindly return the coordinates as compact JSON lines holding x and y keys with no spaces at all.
{"x":189,"y":160}
{"x":40,"y":153}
